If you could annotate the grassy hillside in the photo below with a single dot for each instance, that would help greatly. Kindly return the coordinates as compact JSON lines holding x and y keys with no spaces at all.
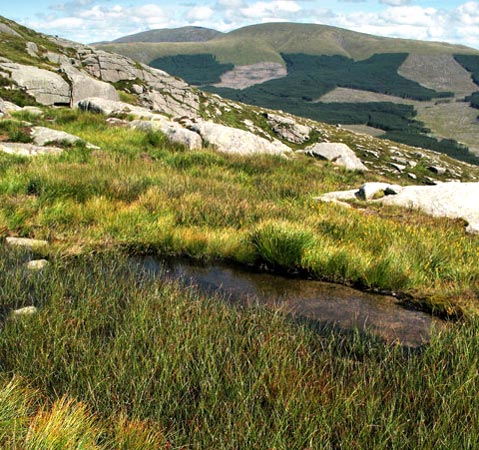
{"x":320,"y":58}
{"x":182,"y":34}
{"x":266,"y":42}
{"x":115,"y":359}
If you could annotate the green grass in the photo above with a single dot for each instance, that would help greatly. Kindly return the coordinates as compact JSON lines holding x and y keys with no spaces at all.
{"x":143,"y":195}
{"x":120,"y":357}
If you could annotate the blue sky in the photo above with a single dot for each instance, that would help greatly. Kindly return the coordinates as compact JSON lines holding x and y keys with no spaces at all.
{"x":95,"y":20}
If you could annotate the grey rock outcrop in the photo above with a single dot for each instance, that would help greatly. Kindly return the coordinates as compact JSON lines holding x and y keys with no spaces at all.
{"x":3,"y":108}
{"x":47,"y":87}
{"x":288,"y":129}
{"x":454,"y":200}
{"x":338,"y":153}
{"x":84,"y":86}
{"x":111,"y":108}
{"x":4,"y":28}
{"x":233,"y":140}
{"x":174,"y":132}
{"x":19,"y":149}
{"x":43,"y":136}
{"x":32,"y":49}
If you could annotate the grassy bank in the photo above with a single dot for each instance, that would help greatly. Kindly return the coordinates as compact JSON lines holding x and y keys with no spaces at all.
{"x":115,"y":360}
{"x":141,"y":194}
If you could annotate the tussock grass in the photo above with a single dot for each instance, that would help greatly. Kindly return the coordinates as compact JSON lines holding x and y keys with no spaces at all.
{"x":142,"y":194}
{"x":126,"y":361}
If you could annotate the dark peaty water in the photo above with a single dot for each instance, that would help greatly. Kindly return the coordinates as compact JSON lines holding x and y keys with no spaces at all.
{"x":325,"y":303}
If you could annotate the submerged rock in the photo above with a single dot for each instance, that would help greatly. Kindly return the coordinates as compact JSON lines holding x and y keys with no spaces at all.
{"x":338,"y":153}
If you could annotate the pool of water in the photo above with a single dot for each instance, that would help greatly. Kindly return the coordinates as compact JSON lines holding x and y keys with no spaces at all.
{"x":324,"y":303}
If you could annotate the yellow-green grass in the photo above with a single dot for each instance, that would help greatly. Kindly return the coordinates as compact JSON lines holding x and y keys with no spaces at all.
{"x":143,"y":195}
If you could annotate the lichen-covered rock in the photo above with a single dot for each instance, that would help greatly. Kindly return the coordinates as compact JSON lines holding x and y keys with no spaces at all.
{"x":338,"y":153}
{"x":233,"y":140}
{"x":172,"y":130}
{"x":47,"y":87}
{"x":44,"y":136}
{"x":288,"y":129}
{"x":85,"y":86}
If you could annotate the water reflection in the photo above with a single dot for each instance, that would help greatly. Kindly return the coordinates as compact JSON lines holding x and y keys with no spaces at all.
{"x":326,"y":303}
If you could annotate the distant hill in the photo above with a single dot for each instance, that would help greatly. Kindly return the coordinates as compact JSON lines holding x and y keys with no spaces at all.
{"x":182,"y":34}
{"x":428,"y":89}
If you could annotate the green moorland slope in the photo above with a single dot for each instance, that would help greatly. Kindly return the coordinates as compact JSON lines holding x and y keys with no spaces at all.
{"x":114,"y":360}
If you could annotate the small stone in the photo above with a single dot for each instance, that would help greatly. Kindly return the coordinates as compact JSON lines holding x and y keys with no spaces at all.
{"x":37,"y":264}
{"x":32,"y":244}
{"x":412,"y":176}
{"x":437,"y":169}
{"x":26,"y":311}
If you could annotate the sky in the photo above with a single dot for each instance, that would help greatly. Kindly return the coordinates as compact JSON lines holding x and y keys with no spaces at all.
{"x":89,"y":21}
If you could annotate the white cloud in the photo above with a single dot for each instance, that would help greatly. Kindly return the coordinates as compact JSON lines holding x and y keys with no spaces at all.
{"x":259,"y":10}
{"x":200,"y":13}
{"x":91,"y":20}
{"x":395,"y":2}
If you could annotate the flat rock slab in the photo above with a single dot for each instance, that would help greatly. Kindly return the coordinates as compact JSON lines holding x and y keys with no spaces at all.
{"x":47,"y":87}
{"x":233,"y":140}
{"x":172,"y":130}
{"x":43,"y":136}
{"x":453,"y":200}
{"x":15,"y":148}
{"x":31,"y":244}
{"x":338,"y":153}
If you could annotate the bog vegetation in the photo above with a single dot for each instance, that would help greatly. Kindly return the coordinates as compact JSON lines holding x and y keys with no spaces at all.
{"x":115,"y":359}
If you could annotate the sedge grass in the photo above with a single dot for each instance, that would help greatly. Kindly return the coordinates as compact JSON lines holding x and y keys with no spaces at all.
{"x":123,"y":360}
